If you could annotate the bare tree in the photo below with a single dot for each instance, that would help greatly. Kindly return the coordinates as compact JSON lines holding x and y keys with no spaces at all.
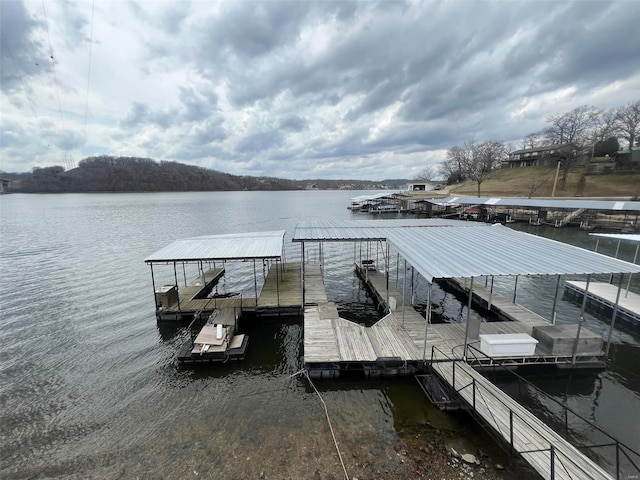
{"x":482,"y":159}
{"x":532,"y":140}
{"x":453,"y":167}
{"x":428,"y":174}
{"x":573,"y":131}
{"x":628,"y":120}
{"x":606,"y":125}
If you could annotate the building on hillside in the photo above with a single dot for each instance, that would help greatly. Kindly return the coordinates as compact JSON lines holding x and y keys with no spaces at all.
{"x":422,"y":186}
{"x":535,"y":157}
{"x":627,"y":159}
{"x":5,"y":185}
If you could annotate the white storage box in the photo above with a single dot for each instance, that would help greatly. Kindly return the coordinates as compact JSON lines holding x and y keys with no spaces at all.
{"x":508,"y":345}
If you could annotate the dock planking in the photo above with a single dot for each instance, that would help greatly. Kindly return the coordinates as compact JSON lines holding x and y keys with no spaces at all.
{"x":519,"y":428}
{"x":314,"y":291}
{"x":605,"y":294}
{"x":401,"y":333}
{"x":282,"y":287}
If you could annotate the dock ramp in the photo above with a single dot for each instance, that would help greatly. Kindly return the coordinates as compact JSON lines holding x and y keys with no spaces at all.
{"x":544,"y":449}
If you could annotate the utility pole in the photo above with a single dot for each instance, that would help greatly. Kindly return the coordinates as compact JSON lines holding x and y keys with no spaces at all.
{"x":555,"y":182}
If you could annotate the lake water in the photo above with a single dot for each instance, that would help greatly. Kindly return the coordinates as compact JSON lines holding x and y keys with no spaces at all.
{"x":89,"y":385}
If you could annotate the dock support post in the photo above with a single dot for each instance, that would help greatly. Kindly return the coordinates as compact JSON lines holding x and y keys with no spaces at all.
{"x":255,"y":283}
{"x":635,"y":258}
{"x":615,"y":256}
{"x":580,"y":320}
{"x":466,"y":330}
{"x":555,"y":302}
{"x":427,"y":321}
{"x":515,"y":289}
{"x":404,"y":283}
{"x":490,"y":295}
{"x":614,"y":315}
{"x":302,"y":270}
{"x":153,"y":284}
{"x":386,"y":270}
{"x":175,"y":276}
{"x":397,"y":268}
{"x":277,"y":283}
{"x":413,"y":294}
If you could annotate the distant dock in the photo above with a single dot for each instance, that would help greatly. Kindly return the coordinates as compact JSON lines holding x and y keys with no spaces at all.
{"x":601,"y":297}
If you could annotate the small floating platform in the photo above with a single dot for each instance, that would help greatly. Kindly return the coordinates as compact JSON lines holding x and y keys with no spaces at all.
{"x":602,"y":298}
{"x":217,"y":341}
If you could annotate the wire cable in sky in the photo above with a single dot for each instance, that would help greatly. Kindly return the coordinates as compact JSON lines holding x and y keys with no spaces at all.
{"x":53,"y":66}
{"x":21,"y":77}
{"x":86,"y":105}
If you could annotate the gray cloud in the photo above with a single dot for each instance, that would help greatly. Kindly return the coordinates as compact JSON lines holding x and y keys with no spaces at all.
{"x":334,"y":89}
{"x":22,"y":56}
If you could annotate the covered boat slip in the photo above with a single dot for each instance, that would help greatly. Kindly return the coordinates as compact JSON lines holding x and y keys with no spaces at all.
{"x":448,"y":249}
{"x":612,"y":299}
{"x":276,"y":285}
{"x":404,"y":341}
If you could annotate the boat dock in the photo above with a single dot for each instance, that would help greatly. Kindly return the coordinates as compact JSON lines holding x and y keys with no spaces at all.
{"x":280,"y":294}
{"x":601,"y":297}
{"x":396,"y":343}
{"x":522,"y":432}
{"x":405,"y":342}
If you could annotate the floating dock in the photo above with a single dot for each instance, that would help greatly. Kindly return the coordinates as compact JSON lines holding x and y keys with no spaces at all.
{"x":403,"y":341}
{"x":601,"y":297}
{"x":396,"y":343}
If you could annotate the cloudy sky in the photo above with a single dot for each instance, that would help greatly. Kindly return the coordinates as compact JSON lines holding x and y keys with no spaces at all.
{"x":301,"y":89}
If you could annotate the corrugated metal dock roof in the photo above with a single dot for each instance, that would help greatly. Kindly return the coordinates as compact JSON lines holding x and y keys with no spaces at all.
{"x":540,"y":203}
{"x":343,"y":230}
{"x":238,"y":246}
{"x":468,"y":249}
{"x":633,"y":237}
{"x":497,"y":250}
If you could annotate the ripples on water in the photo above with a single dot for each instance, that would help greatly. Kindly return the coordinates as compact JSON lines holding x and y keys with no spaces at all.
{"x":89,"y":383}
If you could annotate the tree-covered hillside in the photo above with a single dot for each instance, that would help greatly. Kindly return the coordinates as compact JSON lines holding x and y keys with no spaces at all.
{"x":131,"y":174}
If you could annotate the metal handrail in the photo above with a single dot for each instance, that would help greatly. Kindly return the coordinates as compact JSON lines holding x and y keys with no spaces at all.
{"x":620,"y":447}
{"x":512,"y":413}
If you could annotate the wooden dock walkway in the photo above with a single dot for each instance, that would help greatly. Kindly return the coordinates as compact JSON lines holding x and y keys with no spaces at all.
{"x":401,"y":333}
{"x":314,"y":291}
{"x":602,"y":297}
{"x":544,"y":449}
{"x":501,"y":306}
{"x":282,"y":289}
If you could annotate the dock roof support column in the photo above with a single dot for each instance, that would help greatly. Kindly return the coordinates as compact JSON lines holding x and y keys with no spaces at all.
{"x":386,"y":269}
{"x":153,"y":284}
{"x":302,"y":271}
{"x":615,"y":256}
{"x":277,"y":283}
{"x":635,"y":258}
{"x":466,"y":330}
{"x":515,"y":289}
{"x":255,"y":282}
{"x":427,"y":321}
{"x":175,"y":275}
{"x":490,"y":295}
{"x":555,"y":302}
{"x":615,"y":313}
{"x":404,"y":283}
{"x":580,"y":320}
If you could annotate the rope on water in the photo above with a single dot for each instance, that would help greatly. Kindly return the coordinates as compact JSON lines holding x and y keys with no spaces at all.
{"x":326,"y":413}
